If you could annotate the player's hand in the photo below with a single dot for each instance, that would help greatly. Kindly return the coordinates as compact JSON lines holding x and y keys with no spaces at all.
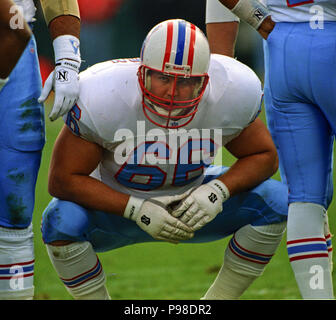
{"x":170,"y":202}
{"x":266,"y":27}
{"x":64,"y":81}
{"x":202,"y":205}
{"x":154,"y":219}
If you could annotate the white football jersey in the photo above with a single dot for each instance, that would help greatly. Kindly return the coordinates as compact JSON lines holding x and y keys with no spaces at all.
{"x":28,"y":8}
{"x":281,"y":10}
{"x":143,"y":159}
{"x":302,"y":10}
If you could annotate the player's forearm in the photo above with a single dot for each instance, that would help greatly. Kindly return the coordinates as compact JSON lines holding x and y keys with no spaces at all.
{"x":229,"y":3}
{"x":64,"y":25}
{"x":62,"y":17}
{"x":248,"y":172}
{"x":87,"y":192}
{"x":222,"y":37}
{"x":13,"y":40}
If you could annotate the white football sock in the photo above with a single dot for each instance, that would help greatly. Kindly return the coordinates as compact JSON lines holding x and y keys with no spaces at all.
{"x":328,"y":237}
{"x":245,"y":259}
{"x":80,"y":270}
{"x":307,"y":250}
{"x":16,"y":264}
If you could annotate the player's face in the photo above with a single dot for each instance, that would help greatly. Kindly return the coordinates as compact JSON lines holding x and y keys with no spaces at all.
{"x":163,"y":86}
{"x":172,"y":90}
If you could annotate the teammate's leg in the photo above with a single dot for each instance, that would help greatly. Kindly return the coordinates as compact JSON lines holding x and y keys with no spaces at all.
{"x":305,"y":146}
{"x":21,"y":142}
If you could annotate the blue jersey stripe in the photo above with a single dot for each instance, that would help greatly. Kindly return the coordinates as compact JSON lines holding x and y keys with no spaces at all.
{"x":180,"y":42}
{"x":307,"y":248}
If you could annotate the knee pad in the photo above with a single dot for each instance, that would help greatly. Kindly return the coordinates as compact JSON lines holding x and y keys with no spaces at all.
{"x":252,"y":247}
{"x":16,"y":264}
{"x":80,"y":270}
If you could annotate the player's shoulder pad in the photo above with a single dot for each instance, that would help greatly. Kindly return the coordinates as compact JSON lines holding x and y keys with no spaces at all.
{"x":237,"y":86}
{"x":106,"y":96}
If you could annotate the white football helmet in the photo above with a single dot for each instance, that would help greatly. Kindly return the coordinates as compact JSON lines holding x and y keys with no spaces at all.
{"x":179,"y":49}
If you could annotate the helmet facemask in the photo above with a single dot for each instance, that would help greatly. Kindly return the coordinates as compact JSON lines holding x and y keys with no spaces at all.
{"x":171,"y":111}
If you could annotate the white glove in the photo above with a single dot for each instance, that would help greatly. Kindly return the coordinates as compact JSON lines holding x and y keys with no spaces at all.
{"x":203,"y":204}
{"x":154,"y":219}
{"x":170,"y":202}
{"x":64,"y":80}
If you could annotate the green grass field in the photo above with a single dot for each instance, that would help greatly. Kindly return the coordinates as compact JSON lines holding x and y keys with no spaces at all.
{"x":158,"y":270}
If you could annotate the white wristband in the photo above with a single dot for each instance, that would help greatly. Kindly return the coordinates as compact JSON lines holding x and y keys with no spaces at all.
{"x":66,"y":47}
{"x":133,"y":207}
{"x":221,"y":187}
{"x":251,"y":11}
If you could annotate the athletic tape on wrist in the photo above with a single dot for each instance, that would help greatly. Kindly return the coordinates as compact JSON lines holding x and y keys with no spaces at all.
{"x":221,"y":187}
{"x":67,"y":47}
{"x":74,"y":65}
{"x":251,"y":11}
{"x":133,"y":207}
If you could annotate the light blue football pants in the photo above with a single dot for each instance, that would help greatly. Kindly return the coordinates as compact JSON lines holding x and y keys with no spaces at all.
{"x":22,"y":138}
{"x":300,"y":100}
{"x":64,"y":220}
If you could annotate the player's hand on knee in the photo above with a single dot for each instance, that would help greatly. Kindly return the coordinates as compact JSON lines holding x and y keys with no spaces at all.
{"x":202,"y":205}
{"x":154,"y":219}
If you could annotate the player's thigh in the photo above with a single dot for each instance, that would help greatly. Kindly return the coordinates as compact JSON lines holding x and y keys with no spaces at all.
{"x":65,"y":220}
{"x":322,"y":69}
{"x":22,"y":117}
{"x":305,"y":142}
{"x":18,"y":175}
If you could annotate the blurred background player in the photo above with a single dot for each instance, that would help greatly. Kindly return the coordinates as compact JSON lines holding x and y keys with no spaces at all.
{"x":298,"y":114}
{"x":14,"y":40}
{"x":22,"y":138}
{"x":109,"y":194}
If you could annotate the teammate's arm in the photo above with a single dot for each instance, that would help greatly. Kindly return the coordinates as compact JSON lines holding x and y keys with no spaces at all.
{"x":254,"y":13}
{"x":222,"y":37}
{"x":256,"y":155}
{"x":13,"y":40}
{"x":63,"y":20}
{"x":74,"y":159}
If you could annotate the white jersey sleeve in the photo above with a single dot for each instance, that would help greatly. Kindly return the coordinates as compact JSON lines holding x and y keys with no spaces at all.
{"x":217,"y":12}
{"x":301,"y":10}
{"x":101,"y":107}
{"x":234,"y":97}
